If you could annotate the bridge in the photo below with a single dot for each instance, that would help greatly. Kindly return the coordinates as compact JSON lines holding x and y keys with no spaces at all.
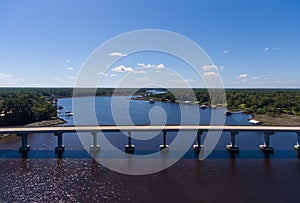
{"x":58,"y":131}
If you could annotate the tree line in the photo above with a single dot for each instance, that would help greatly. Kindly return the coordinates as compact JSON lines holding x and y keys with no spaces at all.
{"x":23,"y":108}
{"x":260,"y":101}
{"x":19,"y":106}
{"x":265,"y":101}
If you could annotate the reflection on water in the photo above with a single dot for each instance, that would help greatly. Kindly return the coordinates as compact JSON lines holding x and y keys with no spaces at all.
{"x":250,"y":176}
{"x":54,"y":180}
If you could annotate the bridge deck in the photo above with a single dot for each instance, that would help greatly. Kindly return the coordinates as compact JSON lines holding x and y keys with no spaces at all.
{"x":129,"y":148}
{"x":7,"y":130}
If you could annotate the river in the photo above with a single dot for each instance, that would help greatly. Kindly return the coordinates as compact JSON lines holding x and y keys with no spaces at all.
{"x":250,"y":176}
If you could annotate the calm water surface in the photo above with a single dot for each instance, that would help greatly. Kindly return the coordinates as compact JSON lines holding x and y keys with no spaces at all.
{"x":250,"y":176}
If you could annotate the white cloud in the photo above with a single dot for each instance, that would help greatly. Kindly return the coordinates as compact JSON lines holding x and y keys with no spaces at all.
{"x":112,"y":75}
{"x":4,"y":75}
{"x":146,"y":66}
{"x":122,"y":69}
{"x":68,"y":61}
{"x":243,"y":76}
{"x":210,"y":74}
{"x":267,"y":49}
{"x":70,"y":68}
{"x":159,"y":66}
{"x":117,"y":54}
{"x":209,"y":67}
{"x":226,"y":51}
{"x":277,"y":48}
{"x":149,"y":66}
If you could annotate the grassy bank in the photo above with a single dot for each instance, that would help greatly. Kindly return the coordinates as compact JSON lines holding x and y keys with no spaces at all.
{"x":281,"y":120}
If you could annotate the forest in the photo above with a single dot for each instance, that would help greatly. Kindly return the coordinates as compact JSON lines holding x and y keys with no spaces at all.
{"x":272,"y":102}
{"x":19,"y":106}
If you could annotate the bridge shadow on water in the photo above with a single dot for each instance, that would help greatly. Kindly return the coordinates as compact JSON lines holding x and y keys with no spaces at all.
{"x":191,"y":154}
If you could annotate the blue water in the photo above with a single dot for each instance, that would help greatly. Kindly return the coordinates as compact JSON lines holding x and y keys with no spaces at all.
{"x":139,"y":111}
{"x":250,"y":176}
{"x":139,"y":114}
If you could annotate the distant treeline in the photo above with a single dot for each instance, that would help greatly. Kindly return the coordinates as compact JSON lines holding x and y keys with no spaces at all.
{"x":69,"y":92}
{"x":265,"y":101}
{"x":20,"y":106}
{"x":260,"y":101}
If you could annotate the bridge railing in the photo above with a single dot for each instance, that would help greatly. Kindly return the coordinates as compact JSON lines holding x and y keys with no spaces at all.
{"x":58,"y":131}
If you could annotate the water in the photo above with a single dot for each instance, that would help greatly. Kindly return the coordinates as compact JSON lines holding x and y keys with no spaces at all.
{"x":250,"y":176}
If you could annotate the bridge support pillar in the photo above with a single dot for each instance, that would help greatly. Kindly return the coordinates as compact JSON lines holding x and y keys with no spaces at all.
{"x":232,"y":146}
{"x":129,"y":148}
{"x":94,"y":147}
{"x":297,"y":146}
{"x":25,"y":147}
{"x":197,"y":147}
{"x":266,"y":146}
{"x":164,"y":145}
{"x":60,"y":147}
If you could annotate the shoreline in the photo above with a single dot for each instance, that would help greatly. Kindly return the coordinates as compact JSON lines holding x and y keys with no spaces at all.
{"x":282,"y":120}
{"x":175,"y":102}
{"x":44,"y":123}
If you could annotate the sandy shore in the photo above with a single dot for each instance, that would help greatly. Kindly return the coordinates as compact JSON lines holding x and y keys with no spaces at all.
{"x":282,"y":120}
{"x":51,"y":122}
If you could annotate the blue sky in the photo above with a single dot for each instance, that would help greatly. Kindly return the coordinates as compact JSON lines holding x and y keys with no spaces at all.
{"x":252,"y":43}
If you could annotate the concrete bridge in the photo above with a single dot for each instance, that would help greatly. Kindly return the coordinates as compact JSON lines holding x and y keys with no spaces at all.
{"x":58,"y":131}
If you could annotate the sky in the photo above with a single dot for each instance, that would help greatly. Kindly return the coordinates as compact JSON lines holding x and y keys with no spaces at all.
{"x":253,"y":44}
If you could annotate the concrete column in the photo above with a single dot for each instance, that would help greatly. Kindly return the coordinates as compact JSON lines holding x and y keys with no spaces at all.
{"x":197,"y":147}
{"x":297,"y":146}
{"x":129,"y":148}
{"x":94,"y":147}
{"x":266,"y":146}
{"x":60,"y":147}
{"x":25,"y":147}
{"x":164,"y":145}
{"x":232,"y":146}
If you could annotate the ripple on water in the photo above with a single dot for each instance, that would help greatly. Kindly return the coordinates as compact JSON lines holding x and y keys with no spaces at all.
{"x":58,"y":180}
